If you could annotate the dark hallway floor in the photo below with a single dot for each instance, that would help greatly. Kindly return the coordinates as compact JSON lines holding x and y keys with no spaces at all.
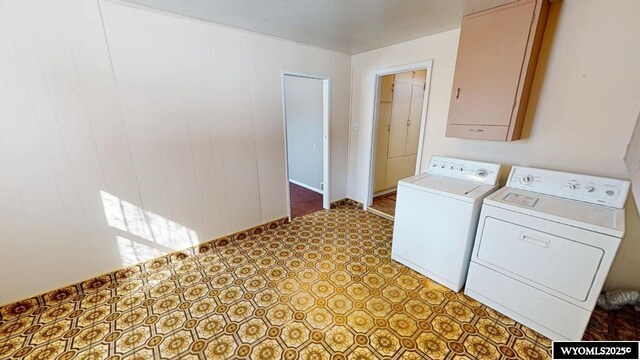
{"x":303,"y":201}
{"x":385,"y":203}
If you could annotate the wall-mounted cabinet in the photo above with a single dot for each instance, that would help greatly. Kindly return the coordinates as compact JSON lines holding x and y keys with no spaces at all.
{"x":496,"y":61}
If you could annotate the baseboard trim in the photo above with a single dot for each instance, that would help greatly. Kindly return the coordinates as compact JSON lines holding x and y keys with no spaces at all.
{"x":380,"y":213}
{"x":306,"y":186}
{"x":346,"y":202}
{"x":385,"y":192}
{"x":74,"y":292}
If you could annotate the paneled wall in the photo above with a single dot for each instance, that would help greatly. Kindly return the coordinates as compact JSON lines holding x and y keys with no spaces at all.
{"x":128,"y":133}
{"x":583,"y":106}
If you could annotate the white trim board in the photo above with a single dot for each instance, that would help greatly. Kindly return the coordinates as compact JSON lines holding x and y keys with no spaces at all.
{"x":306,"y":186}
{"x":326,"y":130}
{"x":385,"y":192}
{"x":424,"y":65}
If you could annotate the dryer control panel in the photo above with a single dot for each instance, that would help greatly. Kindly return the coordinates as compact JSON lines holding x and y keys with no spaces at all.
{"x":479,"y":172}
{"x":587,"y":188}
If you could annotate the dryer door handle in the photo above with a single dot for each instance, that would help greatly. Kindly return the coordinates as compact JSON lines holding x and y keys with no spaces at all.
{"x":534,"y":240}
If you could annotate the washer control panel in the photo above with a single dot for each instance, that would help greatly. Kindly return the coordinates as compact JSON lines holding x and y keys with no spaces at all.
{"x":480,"y":172}
{"x":591,"y":189}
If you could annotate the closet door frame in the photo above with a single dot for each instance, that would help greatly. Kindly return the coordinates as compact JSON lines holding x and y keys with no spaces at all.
{"x":376,"y":77}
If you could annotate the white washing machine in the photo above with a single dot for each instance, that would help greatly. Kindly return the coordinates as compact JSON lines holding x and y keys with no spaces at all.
{"x":544,"y":246}
{"x":436,"y":217}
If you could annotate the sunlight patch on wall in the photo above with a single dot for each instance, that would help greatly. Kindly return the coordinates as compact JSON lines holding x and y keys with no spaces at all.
{"x":163,"y":235}
{"x":133,"y":252}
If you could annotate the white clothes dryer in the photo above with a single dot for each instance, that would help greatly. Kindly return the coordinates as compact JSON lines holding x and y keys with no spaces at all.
{"x":544,"y":246}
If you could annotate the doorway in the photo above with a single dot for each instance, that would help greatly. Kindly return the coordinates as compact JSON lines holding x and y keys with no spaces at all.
{"x":306,"y":128}
{"x":401,"y":97}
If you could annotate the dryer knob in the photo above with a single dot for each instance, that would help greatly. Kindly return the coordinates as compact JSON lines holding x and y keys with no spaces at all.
{"x":527,"y":179}
{"x":482,"y":172}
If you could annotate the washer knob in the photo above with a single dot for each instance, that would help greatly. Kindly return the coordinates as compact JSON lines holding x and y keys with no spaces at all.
{"x":572,"y":186}
{"x":591,"y":189}
{"x":482,"y":172}
{"x":527,"y":179}
{"x":610,"y":192}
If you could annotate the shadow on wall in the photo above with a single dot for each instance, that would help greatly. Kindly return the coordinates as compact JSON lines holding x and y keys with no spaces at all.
{"x":149,"y":235}
{"x":627,"y":257}
{"x":541,"y":67}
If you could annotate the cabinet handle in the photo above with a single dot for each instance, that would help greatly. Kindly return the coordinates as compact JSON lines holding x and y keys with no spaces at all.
{"x":476,"y":130}
{"x":457,"y":93}
{"x":534,"y":241}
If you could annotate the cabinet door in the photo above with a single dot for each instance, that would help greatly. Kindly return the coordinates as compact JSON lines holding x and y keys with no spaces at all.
{"x":400,"y":110}
{"x":399,"y":168}
{"x":382,"y":144}
{"x":386,"y":88}
{"x":415,"y":115}
{"x":415,"y":77}
{"x":490,"y":58}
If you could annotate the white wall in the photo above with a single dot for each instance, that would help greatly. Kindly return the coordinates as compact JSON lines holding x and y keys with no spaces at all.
{"x":584,"y":103}
{"x":303,"y":109}
{"x":154,"y":135}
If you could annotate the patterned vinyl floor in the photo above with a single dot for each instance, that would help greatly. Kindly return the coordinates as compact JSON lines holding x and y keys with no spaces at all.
{"x":321,"y":287}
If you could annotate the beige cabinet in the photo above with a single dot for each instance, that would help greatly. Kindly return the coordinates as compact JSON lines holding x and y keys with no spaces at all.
{"x":398,"y":127}
{"x":496,"y":61}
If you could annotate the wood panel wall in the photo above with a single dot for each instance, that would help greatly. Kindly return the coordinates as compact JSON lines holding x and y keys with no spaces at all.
{"x":127,"y":133}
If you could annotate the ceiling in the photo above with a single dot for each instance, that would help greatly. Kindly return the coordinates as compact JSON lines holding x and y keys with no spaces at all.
{"x":350,"y":26}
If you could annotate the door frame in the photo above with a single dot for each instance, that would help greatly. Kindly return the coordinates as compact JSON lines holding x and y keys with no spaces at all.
{"x":326,"y":129}
{"x":377,"y":74}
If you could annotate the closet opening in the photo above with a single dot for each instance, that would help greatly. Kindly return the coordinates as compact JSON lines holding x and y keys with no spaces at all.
{"x":400,"y":106}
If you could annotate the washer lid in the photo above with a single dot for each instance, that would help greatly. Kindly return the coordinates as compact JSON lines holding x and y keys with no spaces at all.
{"x":446,"y":186}
{"x":601,"y":219}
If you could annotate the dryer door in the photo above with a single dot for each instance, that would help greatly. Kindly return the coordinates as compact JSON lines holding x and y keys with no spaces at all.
{"x":561,"y":260}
